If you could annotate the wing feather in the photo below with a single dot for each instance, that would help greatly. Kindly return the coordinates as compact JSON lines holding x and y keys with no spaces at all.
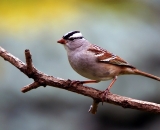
{"x":107,"y":57}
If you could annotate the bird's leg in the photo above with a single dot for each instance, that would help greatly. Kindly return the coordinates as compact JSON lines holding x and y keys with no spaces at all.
{"x":107,"y":91}
{"x":111,"y":84}
{"x":89,"y":81}
{"x":84,"y":82}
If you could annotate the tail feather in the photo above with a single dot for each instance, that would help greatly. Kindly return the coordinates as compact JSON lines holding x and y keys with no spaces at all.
{"x":138,"y":72}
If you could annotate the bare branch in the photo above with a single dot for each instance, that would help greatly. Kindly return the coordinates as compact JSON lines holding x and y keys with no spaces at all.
{"x":41,"y":79}
{"x":93,"y":108}
{"x":31,"y":86}
{"x":12,"y":59}
{"x":29,"y":61}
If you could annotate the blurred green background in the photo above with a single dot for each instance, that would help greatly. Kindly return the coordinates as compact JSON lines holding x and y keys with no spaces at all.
{"x":128,"y":28}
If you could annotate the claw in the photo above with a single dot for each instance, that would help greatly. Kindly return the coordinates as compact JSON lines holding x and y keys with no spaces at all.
{"x":104,"y":95}
{"x":76,"y":83}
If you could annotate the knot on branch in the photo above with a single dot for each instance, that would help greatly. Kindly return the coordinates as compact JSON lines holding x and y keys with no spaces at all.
{"x":42,"y":82}
{"x":125,"y":104}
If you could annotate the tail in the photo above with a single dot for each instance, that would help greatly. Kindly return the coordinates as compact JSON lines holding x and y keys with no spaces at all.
{"x":138,"y":72}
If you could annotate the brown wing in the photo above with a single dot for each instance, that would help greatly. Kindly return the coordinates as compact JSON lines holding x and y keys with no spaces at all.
{"x":107,"y":57}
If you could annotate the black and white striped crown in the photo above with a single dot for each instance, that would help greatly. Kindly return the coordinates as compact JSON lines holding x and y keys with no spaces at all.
{"x":73,"y":35}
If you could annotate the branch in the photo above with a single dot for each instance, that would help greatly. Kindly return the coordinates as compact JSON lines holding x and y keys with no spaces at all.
{"x":41,"y":79}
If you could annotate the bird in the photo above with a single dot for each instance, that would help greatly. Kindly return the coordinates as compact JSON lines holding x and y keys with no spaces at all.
{"x":95,"y":63}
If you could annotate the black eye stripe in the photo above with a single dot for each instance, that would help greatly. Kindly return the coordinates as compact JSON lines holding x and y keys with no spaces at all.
{"x":70,"y":34}
{"x":75,"y":38}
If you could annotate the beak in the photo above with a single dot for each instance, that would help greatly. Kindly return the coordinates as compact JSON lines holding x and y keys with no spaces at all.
{"x":62,"y":41}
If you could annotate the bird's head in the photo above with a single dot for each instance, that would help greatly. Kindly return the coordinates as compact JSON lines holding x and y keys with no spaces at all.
{"x":72,"y":40}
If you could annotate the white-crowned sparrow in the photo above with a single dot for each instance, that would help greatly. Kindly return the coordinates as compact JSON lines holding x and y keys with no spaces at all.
{"x":95,"y":63}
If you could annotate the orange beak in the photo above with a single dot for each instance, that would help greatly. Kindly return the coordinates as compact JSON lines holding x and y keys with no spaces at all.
{"x":62,"y":41}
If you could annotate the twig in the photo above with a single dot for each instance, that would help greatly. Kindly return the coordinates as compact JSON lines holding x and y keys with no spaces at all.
{"x":31,"y":86}
{"x":93,"y":108}
{"x":41,"y":79}
{"x":29,"y":62}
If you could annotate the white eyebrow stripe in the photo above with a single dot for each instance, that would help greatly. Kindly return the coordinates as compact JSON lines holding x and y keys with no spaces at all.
{"x":76,"y":35}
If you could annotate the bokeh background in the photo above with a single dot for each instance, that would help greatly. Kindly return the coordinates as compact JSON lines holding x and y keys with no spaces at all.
{"x":128,"y":28}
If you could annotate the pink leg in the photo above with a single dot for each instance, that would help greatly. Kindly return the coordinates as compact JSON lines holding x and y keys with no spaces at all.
{"x":104,"y":93}
{"x":84,"y":82}
{"x":111,"y":84}
{"x":89,"y":81}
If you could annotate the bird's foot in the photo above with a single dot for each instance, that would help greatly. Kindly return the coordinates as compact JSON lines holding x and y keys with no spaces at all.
{"x":76,"y":83}
{"x":103,"y":95}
